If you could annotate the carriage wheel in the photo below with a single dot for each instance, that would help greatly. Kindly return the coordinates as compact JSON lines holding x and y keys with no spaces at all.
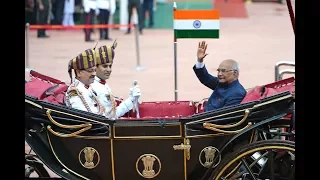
{"x":268,"y":159}
{"x":33,"y":166}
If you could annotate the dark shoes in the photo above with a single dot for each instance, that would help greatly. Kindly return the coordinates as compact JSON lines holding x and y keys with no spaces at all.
{"x":43,"y":36}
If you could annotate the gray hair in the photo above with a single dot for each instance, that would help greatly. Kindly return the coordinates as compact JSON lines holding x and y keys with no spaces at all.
{"x":235,"y":65}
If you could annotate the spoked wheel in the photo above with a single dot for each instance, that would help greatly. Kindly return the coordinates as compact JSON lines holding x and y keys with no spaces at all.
{"x":34,"y":168}
{"x":268,"y":159}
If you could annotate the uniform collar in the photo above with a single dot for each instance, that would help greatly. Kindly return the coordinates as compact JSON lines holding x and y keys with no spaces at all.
{"x":103,"y":82}
{"x":80,"y":83}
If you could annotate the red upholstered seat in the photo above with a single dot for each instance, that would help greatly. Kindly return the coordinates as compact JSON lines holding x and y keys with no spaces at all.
{"x":46,"y":88}
{"x":169,"y":109}
{"x":37,"y":88}
{"x":252,"y":95}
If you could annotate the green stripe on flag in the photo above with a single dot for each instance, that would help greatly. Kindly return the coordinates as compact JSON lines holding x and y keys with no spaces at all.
{"x":212,"y":33}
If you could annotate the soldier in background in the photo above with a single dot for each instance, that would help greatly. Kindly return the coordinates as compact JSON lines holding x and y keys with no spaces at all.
{"x":148,"y":5}
{"x":89,"y":7}
{"x":137,"y":5}
{"x":29,"y":12}
{"x":58,"y":11}
{"x":43,"y":16}
{"x":68,"y":13}
{"x":105,"y":8}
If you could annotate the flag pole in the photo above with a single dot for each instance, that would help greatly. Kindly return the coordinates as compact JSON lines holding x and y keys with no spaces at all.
{"x":175,"y":57}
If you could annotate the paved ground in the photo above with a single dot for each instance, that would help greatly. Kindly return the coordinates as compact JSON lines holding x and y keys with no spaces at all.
{"x":257,"y":43}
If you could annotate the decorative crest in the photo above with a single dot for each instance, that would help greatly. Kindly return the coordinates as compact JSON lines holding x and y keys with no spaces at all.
{"x":115,"y":44}
{"x":89,"y":157}
{"x":95,"y":45}
{"x":207,"y":155}
{"x":90,"y":58}
{"x":151,"y":166}
{"x":104,"y":54}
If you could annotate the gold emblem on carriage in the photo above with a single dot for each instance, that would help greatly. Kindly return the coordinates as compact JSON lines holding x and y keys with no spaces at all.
{"x":89,"y":157}
{"x":207,"y":156}
{"x":148,"y":166}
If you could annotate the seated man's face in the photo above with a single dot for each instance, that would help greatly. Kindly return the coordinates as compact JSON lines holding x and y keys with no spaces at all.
{"x":225,"y":73}
{"x":104,"y":71}
{"x":86,"y":76}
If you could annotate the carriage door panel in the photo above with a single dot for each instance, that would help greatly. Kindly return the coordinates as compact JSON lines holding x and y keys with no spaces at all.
{"x":203,"y":152}
{"x":147,"y":153}
{"x":87,"y":158}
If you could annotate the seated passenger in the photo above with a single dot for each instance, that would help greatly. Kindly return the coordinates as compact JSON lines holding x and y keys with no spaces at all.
{"x":80,"y":94}
{"x":227,"y":89}
{"x":104,"y":59}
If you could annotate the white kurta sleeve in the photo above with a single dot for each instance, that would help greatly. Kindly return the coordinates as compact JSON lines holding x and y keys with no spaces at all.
{"x":124,"y":107}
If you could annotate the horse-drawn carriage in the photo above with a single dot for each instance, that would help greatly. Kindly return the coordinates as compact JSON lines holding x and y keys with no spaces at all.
{"x":170,"y":140}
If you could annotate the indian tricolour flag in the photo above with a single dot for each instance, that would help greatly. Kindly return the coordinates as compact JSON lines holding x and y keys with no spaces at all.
{"x":196,"y":23}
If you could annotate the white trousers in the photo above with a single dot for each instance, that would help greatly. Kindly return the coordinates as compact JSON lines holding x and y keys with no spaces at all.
{"x":68,"y":19}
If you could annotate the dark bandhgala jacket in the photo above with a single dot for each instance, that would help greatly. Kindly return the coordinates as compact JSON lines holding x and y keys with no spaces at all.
{"x":223,"y":95}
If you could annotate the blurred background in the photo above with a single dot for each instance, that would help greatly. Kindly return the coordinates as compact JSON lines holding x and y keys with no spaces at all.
{"x":256,"y":33}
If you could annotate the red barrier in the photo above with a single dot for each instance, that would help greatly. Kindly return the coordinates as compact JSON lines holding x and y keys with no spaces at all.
{"x":81,"y":26}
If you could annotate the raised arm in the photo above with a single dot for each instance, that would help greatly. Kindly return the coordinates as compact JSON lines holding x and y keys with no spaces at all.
{"x":204,"y":77}
{"x":200,"y":69}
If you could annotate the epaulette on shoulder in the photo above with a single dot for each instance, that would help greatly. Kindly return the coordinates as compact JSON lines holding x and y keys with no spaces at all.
{"x":73,"y":90}
{"x":72,"y":93}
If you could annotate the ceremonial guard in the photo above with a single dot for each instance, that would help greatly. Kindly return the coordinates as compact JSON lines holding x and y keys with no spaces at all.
{"x":80,"y":94}
{"x":104,"y":60}
{"x":89,"y":7}
{"x":105,"y":8}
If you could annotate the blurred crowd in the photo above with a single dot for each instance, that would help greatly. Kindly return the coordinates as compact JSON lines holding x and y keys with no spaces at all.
{"x":67,"y":12}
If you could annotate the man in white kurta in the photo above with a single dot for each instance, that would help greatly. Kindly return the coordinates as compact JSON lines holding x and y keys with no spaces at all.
{"x":104,"y":60}
{"x":80,"y":94}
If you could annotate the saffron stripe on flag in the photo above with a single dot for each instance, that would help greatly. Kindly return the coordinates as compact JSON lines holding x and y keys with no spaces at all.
{"x":196,"y":14}
{"x":196,"y":34}
{"x":203,"y":24}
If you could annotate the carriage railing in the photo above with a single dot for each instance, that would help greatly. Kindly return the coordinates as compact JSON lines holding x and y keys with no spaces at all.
{"x":279,"y":74}
{"x":285,"y":71}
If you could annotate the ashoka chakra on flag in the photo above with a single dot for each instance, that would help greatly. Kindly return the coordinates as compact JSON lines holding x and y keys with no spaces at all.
{"x":196,"y":23}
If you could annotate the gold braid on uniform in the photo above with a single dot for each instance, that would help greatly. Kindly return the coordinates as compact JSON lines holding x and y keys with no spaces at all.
{"x":100,"y":107}
{"x":113,"y":107}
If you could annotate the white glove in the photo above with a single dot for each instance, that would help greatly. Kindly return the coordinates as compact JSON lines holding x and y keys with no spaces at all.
{"x":135,"y":92}
{"x":97,"y":12}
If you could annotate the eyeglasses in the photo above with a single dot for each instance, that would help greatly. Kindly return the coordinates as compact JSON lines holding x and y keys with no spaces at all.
{"x":90,"y":70}
{"x":224,"y":70}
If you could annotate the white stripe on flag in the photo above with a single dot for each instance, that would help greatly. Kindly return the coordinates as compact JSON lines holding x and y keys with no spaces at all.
{"x":190,"y":24}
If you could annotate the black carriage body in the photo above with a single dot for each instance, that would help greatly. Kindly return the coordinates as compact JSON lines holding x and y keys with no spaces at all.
{"x":81,"y":145}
